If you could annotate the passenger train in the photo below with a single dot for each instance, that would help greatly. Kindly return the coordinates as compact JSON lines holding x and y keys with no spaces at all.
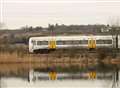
{"x":78,"y":41}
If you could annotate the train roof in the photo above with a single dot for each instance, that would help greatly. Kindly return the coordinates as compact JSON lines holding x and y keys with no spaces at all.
{"x":72,"y":36}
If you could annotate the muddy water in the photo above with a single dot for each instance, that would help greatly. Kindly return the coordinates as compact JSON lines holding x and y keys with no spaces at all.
{"x":22,"y":78}
{"x":18,"y":75}
{"x":23,"y":68}
{"x":15,"y":71}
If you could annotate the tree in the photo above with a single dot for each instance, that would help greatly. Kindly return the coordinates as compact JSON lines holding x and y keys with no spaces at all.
{"x":114,"y":25}
{"x":51,"y":29}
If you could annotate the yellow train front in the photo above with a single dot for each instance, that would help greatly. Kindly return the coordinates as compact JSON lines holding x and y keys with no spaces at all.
{"x":37,"y":44}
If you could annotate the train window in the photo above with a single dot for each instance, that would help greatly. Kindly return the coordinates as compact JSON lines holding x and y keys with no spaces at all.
{"x":68,"y":42}
{"x":60,"y":42}
{"x":76,"y":42}
{"x":38,"y":42}
{"x":42,"y":42}
{"x":83,"y":41}
{"x":45,"y":42}
{"x":104,"y":41}
{"x":108,"y":41}
{"x":33,"y":42}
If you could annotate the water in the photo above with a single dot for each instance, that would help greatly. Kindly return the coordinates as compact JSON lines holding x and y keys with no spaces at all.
{"x":80,"y":80}
{"x":28,"y":76}
{"x":18,"y":82}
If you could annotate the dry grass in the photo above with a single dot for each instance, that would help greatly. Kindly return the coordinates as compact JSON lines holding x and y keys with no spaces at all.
{"x":15,"y":62}
{"x":15,"y":57}
{"x":48,"y":60}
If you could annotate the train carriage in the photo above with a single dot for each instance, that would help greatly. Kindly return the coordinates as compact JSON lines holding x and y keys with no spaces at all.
{"x":61,"y":42}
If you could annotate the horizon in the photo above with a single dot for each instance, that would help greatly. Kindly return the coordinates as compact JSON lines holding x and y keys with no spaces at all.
{"x":27,"y":26}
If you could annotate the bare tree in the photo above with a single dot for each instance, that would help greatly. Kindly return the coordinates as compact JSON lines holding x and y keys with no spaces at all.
{"x":114,"y":24}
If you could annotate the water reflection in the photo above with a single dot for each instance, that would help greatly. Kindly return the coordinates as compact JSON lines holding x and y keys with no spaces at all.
{"x":35,"y":75}
{"x":23,"y":75}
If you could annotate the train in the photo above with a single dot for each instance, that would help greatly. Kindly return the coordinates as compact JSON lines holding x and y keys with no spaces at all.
{"x":41,"y":43}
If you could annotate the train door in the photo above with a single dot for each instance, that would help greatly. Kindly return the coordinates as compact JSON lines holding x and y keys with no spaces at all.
{"x":52,"y":44}
{"x":91,"y":43}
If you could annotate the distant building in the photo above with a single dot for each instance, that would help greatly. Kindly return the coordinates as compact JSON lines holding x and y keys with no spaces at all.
{"x":106,"y":29}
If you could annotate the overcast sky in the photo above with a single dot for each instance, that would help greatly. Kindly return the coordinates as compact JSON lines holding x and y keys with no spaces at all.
{"x":18,"y":13}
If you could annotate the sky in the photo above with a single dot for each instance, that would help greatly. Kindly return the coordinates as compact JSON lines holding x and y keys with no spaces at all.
{"x":18,"y":13}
